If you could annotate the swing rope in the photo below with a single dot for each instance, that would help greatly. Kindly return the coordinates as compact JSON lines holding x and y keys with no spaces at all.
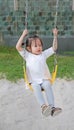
{"x":56,"y":14}
{"x":55,"y":57}
{"x":24,"y":62}
{"x":26,"y":15}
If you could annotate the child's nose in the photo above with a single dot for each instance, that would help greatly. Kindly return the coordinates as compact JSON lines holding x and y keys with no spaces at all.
{"x":38,"y":47}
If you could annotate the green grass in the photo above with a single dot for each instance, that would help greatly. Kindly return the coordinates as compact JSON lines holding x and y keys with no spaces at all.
{"x":65,"y":66}
{"x":11,"y":65}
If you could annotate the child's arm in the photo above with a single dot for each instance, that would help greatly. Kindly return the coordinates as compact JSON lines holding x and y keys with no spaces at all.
{"x":55,"y":33}
{"x":20,"y":41}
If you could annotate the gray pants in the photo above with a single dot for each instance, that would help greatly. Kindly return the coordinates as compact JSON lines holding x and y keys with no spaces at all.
{"x":46,"y":85}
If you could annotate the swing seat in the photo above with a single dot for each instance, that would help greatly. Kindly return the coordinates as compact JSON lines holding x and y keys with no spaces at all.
{"x":26,"y":79}
{"x":51,"y":80}
{"x":54,"y":73}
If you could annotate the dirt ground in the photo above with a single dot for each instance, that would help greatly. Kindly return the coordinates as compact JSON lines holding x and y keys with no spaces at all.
{"x":19,"y":109}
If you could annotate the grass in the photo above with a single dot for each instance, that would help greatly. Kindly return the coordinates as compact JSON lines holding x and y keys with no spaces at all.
{"x":65,"y":66}
{"x":11,"y":65}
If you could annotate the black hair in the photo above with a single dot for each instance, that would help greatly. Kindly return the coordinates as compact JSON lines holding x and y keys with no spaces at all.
{"x":29,"y":40}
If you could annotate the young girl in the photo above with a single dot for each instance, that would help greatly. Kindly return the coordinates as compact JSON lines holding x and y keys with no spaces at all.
{"x":37,"y":69}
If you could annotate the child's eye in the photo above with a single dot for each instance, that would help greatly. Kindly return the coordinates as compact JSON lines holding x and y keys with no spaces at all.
{"x":35,"y":45}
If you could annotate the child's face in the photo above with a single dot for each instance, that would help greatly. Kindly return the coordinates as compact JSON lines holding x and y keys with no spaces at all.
{"x":36,"y":46}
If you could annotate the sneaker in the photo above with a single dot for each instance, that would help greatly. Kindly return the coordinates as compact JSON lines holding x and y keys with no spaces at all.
{"x":46,"y":110}
{"x":55,"y":111}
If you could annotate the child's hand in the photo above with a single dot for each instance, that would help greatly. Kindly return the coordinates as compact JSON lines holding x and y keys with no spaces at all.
{"x":25,"y":32}
{"x":55,"y":31}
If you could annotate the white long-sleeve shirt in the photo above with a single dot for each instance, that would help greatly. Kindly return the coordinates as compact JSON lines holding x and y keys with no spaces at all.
{"x":36,"y":66}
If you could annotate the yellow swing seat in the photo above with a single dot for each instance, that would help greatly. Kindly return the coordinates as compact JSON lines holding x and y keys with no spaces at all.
{"x":54,"y":73}
{"x":26,"y":79}
{"x":51,"y":80}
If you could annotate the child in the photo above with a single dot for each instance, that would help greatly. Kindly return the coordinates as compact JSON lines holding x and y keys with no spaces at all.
{"x":37,"y":69}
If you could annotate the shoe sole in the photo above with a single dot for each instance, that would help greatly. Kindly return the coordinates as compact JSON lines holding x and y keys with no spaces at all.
{"x":56,"y":113}
{"x":47,"y":112}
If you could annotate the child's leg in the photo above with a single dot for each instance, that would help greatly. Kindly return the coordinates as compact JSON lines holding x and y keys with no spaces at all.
{"x":46,"y":110}
{"x":48,"y":91}
{"x":38,"y":93}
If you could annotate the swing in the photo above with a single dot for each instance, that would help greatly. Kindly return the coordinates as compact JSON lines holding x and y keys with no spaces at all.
{"x":53,"y":77}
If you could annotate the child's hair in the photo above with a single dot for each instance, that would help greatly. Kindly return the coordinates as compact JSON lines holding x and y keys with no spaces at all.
{"x":31,"y":38}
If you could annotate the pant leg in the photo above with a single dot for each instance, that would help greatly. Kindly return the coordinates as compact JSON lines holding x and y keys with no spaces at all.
{"x":48,"y":91}
{"x":38,"y":93}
